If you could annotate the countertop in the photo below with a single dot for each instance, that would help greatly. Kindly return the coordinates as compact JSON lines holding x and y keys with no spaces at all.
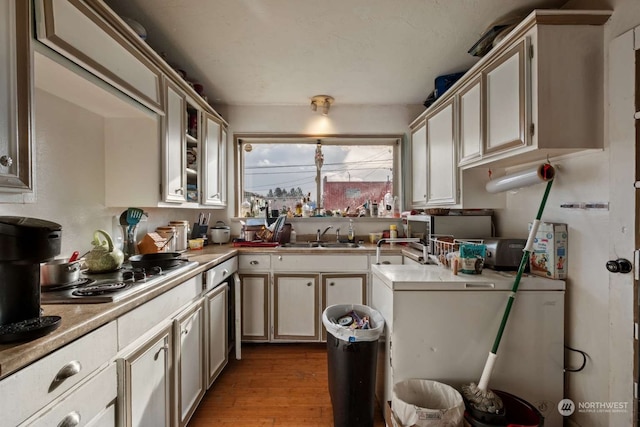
{"x":80,"y":319}
{"x":435,"y":277}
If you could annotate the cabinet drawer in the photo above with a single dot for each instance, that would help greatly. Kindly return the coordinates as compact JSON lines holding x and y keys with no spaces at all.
{"x":220,"y":272}
{"x":254,"y":262}
{"x":135,"y":323}
{"x":30,"y":389}
{"x":84,"y":403}
{"x":321,"y":264}
{"x":74,"y":30}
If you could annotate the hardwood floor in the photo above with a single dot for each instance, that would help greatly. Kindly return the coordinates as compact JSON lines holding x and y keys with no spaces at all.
{"x":273,"y":385}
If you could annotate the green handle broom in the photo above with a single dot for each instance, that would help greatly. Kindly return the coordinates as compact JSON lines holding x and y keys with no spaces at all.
{"x":479,"y":396}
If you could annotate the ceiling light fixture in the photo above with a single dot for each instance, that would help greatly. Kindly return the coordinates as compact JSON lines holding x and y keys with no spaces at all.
{"x":323,"y":101}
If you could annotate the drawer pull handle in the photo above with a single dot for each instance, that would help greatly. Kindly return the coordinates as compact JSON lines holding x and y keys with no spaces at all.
{"x":225,"y":272}
{"x":332,"y":284}
{"x":164,"y":347}
{"x":67,"y":371}
{"x":185,"y":331}
{"x":71,"y":420}
{"x":386,"y":262}
{"x":309,"y":284}
{"x":253,"y":262}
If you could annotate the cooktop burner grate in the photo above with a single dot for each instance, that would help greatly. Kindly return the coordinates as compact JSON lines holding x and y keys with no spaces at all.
{"x":71,"y":285}
{"x":101,"y":289}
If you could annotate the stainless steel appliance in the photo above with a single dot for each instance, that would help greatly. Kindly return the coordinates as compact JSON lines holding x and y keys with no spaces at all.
{"x":457,"y":226}
{"x":504,"y":253}
{"x":109,"y":287}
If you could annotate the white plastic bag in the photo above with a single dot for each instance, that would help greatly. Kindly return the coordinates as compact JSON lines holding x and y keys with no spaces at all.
{"x":334,"y":312}
{"x":426,"y":403}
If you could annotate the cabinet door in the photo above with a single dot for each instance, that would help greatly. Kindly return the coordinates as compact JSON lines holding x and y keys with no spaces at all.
{"x":146,"y":399}
{"x":16,"y":73}
{"x":217,"y":303}
{"x":295,"y":305}
{"x":442,"y":163}
{"x":470,"y":113}
{"x":418,"y":165}
{"x":174,"y":177}
{"x":222,"y":187}
{"x":211,"y":194}
{"x":504,"y":101}
{"x":190,"y":362}
{"x":342,"y":289}
{"x":255,"y":304}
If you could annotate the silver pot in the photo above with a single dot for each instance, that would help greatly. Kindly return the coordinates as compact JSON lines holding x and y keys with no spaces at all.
{"x":220,"y":233}
{"x":59,"y":272}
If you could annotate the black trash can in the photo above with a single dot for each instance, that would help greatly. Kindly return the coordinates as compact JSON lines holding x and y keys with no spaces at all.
{"x":352,"y":356}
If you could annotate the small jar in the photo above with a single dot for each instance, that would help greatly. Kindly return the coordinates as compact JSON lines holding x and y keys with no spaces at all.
{"x":168,"y":232}
{"x":182,"y":234}
{"x":393,"y":233}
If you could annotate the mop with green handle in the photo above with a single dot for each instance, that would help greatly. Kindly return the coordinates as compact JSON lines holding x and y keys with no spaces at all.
{"x":479,"y":396}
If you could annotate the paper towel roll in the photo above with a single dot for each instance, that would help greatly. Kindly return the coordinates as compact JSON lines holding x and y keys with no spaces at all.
{"x":525,"y":178}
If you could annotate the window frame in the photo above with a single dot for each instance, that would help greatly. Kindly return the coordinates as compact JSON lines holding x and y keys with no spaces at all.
{"x":328,"y":139}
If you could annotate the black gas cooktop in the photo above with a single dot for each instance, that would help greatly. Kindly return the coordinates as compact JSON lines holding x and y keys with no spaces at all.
{"x":109,"y":287}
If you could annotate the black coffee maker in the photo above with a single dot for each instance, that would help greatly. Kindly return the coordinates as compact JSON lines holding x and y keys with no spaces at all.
{"x":24,"y":244}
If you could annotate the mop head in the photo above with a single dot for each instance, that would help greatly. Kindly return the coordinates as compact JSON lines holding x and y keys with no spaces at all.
{"x":482,"y":400}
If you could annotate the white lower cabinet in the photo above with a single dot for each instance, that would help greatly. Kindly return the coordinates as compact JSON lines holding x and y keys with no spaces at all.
{"x":217,"y":327}
{"x":255,"y":306}
{"x":92,"y":403}
{"x":146,"y":382}
{"x":189,"y":328}
{"x":295,"y":307}
{"x":342,"y":289}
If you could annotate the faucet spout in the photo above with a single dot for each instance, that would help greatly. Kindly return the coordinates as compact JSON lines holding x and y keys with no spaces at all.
{"x":398,"y":240}
{"x":319,"y":235}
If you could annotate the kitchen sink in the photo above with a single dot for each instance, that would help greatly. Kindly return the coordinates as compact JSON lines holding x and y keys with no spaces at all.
{"x":320,"y":245}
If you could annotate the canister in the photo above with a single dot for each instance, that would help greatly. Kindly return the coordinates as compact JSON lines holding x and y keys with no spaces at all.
{"x":182,"y":234}
{"x":168,"y":232}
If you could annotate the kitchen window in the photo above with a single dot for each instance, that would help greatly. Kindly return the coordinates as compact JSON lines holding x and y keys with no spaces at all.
{"x":315,"y":175}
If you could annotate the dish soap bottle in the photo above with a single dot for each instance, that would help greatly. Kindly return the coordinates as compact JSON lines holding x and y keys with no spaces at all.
{"x":351,"y":234}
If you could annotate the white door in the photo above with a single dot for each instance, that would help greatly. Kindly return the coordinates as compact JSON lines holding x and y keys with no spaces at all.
{"x":217,"y":331}
{"x":419,"y":165}
{"x":255,"y":300}
{"x":295,"y":299}
{"x":211,"y":164}
{"x":623,"y":118}
{"x":441,"y":157}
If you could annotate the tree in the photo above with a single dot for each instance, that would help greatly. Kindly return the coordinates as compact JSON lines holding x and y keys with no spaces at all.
{"x":277,"y":192}
{"x":270,"y":194}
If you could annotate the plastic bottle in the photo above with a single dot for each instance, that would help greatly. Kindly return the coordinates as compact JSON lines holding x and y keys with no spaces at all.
{"x":388,"y":205}
{"x":246,"y":209}
{"x":351,"y":234}
{"x":292,"y":236}
{"x":393,"y":233}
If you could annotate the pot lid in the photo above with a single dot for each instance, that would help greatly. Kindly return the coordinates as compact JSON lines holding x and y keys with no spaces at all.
{"x":220,"y":225}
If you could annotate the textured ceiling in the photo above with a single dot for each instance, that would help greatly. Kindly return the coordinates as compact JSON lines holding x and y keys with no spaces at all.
{"x":282,"y":52}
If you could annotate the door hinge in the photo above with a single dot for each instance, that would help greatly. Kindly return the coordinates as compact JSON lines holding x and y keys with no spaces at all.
{"x":636,"y":264}
{"x":635,"y":390}
{"x":531,"y":51}
{"x":635,"y":330}
{"x":532,"y":129}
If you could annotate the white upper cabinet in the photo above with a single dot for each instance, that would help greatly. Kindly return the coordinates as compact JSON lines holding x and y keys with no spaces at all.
{"x":79,"y":32}
{"x":418,"y":164}
{"x":211,"y":155}
{"x":505,"y":101}
{"x":174,"y":176}
{"x":470,"y":113}
{"x":16,"y":79}
{"x":441,"y":156}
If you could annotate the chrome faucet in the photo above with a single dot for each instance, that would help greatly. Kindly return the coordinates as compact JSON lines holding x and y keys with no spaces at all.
{"x":338,"y":235}
{"x":398,"y":240}
{"x":319,"y":235}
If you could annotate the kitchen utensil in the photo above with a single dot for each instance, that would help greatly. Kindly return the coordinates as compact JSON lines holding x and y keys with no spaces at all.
{"x":104,"y":256}
{"x":164,"y":260}
{"x":59,"y":272}
{"x":479,"y":396}
{"x":133,"y":216}
{"x":220,"y":233}
{"x":167,"y":242}
{"x":74,"y":256}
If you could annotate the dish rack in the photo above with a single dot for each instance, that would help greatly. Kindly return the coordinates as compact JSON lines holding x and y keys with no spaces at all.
{"x":443,"y":248}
